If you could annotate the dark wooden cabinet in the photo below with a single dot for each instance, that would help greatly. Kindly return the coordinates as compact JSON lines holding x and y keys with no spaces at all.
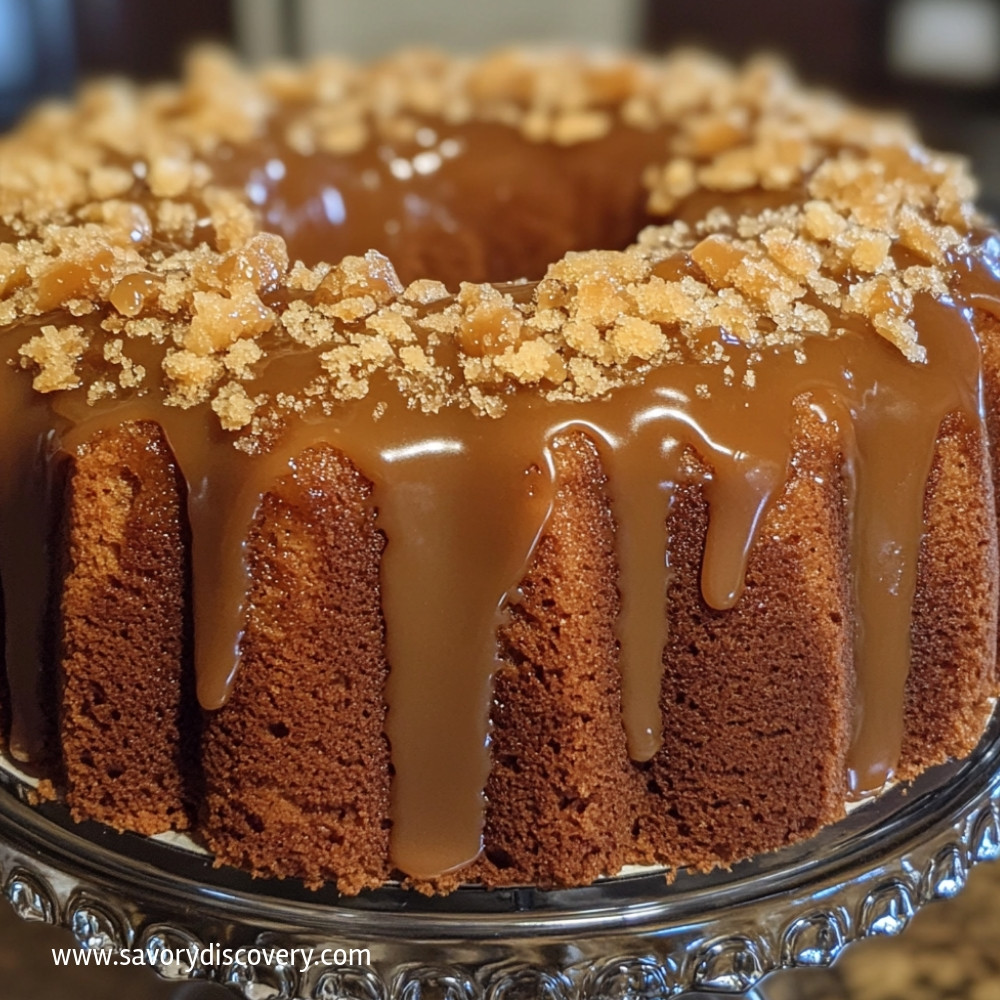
{"x":145,"y":38}
{"x":47,"y":45}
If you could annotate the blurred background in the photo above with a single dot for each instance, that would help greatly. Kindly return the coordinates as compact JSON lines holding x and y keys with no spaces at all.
{"x":938,"y":59}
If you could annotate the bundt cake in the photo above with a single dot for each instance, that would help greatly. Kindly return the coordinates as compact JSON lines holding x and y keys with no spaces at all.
{"x":498,"y":470}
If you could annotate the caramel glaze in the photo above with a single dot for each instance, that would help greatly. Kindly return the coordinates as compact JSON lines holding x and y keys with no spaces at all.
{"x":29,"y":447}
{"x":463,"y":499}
{"x":455,"y":202}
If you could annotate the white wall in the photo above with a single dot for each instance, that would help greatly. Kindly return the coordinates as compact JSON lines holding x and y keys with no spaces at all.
{"x":369,"y":27}
{"x":260,"y":28}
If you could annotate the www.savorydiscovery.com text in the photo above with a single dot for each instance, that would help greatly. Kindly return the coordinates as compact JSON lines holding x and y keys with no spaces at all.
{"x":215,"y":956}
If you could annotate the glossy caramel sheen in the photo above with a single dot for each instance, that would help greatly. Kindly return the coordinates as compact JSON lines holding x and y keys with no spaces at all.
{"x":454,"y":202}
{"x":463,"y":499}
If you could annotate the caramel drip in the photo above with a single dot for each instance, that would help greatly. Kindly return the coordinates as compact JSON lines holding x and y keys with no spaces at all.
{"x":652,"y":429}
{"x":224,"y":489}
{"x":892,"y":461}
{"x":454,"y":552}
{"x":28,"y":445}
{"x":462,"y":509}
{"x":462,"y":501}
{"x":892,"y":411}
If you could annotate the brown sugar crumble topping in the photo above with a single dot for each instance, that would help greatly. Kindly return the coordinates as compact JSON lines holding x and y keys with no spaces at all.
{"x":130,"y":265}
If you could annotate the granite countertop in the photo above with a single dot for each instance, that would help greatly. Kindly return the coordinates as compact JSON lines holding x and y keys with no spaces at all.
{"x":951,"y":951}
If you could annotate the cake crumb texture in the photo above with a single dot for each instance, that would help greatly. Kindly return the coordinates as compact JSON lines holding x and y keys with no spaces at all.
{"x":296,"y":763}
{"x":128,"y":719}
{"x":558,"y":746}
{"x":756,"y":700}
{"x":953,"y":667}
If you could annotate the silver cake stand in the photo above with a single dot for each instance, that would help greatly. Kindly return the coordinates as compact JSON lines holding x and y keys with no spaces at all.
{"x":633,"y":936}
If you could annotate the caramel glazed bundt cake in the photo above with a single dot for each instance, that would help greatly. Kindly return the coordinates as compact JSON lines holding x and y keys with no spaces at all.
{"x":496,"y":470}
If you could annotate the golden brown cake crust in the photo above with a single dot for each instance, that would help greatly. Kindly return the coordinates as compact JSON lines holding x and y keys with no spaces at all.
{"x":558,"y":747}
{"x":756,"y":700}
{"x":988,"y":326}
{"x":128,"y":720}
{"x":296,"y":763}
{"x":953,"y":669}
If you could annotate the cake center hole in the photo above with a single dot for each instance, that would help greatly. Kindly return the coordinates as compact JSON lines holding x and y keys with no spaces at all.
{"x":475,"y":202}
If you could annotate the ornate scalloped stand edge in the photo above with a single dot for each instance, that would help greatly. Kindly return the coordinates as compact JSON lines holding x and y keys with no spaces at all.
{"x":629,"y":937}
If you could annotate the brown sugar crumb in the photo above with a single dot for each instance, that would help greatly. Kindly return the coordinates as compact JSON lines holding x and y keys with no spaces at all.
{"x":132,"y":374}
{"x":219,"y":319}
{"x":112,"y":213}
{"x":425,"y":292}
{"x":191,"y":376}
{"x":262,"y":261}
{"x":371,"y":276}
{"x":530,"y":362}
{"x":169,"y":177}
{"x":632,"y":337}
{"x":233,"y":406}
{"x":176,"y":220}
{"x":13,"y":272}
{"x":56,"y":354}
{"x":491,"y":322}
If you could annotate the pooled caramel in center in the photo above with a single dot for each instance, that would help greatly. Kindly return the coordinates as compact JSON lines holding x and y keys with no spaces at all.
{"x":452,"y":203}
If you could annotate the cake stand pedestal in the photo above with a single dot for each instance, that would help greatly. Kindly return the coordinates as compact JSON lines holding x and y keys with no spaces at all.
{"x":633,"y":936}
